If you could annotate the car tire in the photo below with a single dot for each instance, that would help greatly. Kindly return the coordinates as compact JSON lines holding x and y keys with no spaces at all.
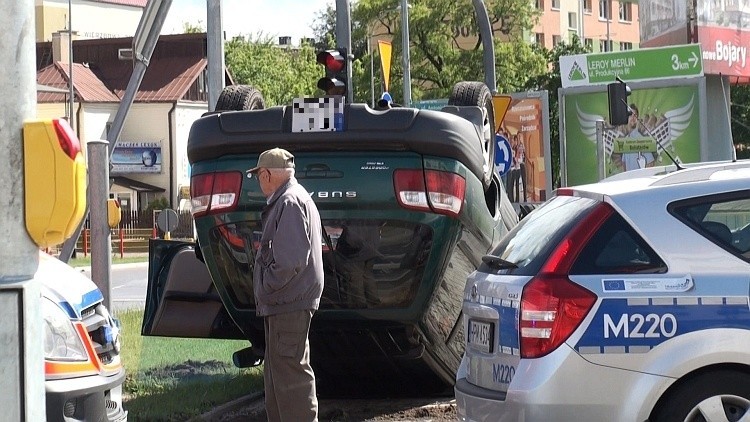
{"x":468,"y":93}
{"x":240,"y":97}
{"x":726,"y":393}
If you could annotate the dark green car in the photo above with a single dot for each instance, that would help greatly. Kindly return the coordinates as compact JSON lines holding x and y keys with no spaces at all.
{"x":410,"y":204}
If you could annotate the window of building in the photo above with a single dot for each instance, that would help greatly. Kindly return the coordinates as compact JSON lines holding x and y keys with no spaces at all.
{"x":626,"y":11}
{"x":587,"y":6}
{"x":572,"y":20}
{"x":539,"y":4}
{"x":556,"y":4}
{"x":539,"y":38}
{"x":626,"y":46}
{"x":605,"y":9}
{"x":605,"y":45}
{"x":556,"y":39}
{"x":588,"y":43}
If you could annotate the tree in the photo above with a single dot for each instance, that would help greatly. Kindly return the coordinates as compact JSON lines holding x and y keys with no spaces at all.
{"x":440,"y":55}
{"x":551,"y":81}
{"x":190,"y":28}
{"x":281,"y":74}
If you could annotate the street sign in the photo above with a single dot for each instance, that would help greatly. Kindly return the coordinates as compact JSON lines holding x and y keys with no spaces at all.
{"x":500,"y":104}
{"x":632,"y":65}
{"x":503,"y":155}
{"x":167,"y":220}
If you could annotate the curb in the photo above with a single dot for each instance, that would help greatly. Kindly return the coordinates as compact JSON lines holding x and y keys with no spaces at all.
{"x":232,"y":406}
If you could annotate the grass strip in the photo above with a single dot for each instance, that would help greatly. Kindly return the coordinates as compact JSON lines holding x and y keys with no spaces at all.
{"x":175,"y":379}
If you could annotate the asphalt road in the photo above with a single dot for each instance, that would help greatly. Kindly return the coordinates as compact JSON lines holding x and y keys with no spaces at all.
{"x":129,"y":283}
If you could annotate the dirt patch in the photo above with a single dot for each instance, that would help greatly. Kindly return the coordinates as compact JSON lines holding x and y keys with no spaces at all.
{"x":422,"y":409}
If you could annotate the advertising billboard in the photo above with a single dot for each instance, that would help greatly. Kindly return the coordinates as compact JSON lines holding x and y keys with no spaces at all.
{"x":721,"y":27}
{"x":137,"y":157}
{"x":526,"y":128}
{"x":664,"y":118}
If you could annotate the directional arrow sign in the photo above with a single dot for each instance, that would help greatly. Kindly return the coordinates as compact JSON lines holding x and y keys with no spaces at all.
{"x":693,"y":59}
{"x":632,"y":65}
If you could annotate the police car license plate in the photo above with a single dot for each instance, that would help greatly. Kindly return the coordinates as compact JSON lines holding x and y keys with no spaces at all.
{"x":481,"y":335}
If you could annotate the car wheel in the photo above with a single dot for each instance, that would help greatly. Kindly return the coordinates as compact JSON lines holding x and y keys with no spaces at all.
{"x":715,"y":396}
{"x":240,"y":97}
{"x":477,"y":94}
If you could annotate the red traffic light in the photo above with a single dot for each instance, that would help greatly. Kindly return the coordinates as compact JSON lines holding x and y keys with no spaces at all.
{"x":333,"y":60}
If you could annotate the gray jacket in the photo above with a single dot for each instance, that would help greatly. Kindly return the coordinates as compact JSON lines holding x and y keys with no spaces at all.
{"x":288,"y":273}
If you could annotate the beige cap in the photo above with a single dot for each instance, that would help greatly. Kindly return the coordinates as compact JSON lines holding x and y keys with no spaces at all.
{"x":276,"y":158}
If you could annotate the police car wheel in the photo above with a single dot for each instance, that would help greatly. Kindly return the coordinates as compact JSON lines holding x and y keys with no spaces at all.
{"x":722,"y":395}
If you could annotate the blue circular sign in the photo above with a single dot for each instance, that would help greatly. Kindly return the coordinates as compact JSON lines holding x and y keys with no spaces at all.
{"x":386,"y":96}
{"x":503,"y":155}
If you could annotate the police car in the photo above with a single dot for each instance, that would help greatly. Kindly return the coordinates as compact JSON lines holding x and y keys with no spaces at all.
{"x":622,"y":300}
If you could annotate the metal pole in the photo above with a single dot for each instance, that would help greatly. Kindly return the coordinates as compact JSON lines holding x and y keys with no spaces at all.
{"x":488,"y":46}
{"x":215,"y":53}
{"x":344,"y":40}
{"x":601,"y":155}
{"x":372,"y":70}
{"x":72,"y":117}
{"x":405,"y":48}
{"x":101,"y":237}
{"x":21,"y":344}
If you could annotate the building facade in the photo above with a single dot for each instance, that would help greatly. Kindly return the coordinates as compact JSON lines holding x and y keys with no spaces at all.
{"x":601,"y":25}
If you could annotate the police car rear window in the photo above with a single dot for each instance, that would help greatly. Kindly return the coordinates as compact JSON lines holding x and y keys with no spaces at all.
{"x":617,"y":249}
{"x":529,"y":244}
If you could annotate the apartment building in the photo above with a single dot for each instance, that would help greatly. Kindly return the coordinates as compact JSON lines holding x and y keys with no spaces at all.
{"x":602,"y":25}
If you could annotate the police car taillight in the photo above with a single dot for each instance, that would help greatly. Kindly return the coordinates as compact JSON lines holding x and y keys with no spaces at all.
{"x":214,"y":192}
{"x":430,"y":191}
{"x":552,"y":306}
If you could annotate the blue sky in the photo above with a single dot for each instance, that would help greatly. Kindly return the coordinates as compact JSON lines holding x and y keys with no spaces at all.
{"x":273,"y":18}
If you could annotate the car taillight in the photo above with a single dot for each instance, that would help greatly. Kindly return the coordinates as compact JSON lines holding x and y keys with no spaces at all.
{"x":214,"y":192}
{"x":552,"y":306}
{"x":431,"y":191}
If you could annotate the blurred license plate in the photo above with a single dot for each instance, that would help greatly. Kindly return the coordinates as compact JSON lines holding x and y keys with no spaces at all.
{"x":481,"y":335}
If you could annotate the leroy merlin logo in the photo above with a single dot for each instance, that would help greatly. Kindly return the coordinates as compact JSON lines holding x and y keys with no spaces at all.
{"x":576,"y":72}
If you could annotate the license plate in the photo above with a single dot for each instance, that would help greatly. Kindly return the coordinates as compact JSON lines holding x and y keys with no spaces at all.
{"x":481,"y":335}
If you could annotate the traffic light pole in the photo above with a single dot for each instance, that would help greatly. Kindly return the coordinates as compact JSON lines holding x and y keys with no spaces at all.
{"x":344,"y":40}
{"x":21,"y":350}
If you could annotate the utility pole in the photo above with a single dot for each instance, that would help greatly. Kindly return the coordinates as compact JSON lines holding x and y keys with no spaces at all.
{"x":215,"y":53}
{"x":21,"y":350}
{"x":406,"y":54}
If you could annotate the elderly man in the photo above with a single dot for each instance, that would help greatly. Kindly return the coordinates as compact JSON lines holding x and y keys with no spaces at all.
{"x":288,"y":283}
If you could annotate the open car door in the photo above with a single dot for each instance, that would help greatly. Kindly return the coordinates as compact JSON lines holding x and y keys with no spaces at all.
{"x":181,"y":300}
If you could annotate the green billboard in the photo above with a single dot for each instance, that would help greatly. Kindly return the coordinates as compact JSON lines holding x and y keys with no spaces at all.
{"x":667,"y":118}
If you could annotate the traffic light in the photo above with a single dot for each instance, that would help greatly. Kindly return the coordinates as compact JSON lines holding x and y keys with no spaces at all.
{"x":617,"y":96}
{"x":334,"y":61}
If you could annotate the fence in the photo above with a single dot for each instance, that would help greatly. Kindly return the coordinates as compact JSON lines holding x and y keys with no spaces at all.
{"x":134,"y":231}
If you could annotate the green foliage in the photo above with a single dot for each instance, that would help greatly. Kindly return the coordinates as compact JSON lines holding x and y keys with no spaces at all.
{"x":190,"y":28}
{"x":162,"y":372}
{"x":440,"y":55}
{"x":281,"y":74}
{"x":159,"y":203}
{"x":552,"y":82}
{"x":740,"y":98}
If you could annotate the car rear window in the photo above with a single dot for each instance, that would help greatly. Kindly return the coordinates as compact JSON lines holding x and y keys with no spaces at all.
{"x":617,"y":249}
{"x":529,"y":243}
{"x":373,"y":263}
{"x":367,"y":264}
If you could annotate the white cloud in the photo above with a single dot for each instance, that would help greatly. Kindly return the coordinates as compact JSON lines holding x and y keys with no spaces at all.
{"x":272,"y":18}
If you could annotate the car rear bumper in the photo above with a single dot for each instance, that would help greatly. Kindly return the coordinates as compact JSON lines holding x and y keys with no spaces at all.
{"x":567,"y":388}
{"x":91,"y":398}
